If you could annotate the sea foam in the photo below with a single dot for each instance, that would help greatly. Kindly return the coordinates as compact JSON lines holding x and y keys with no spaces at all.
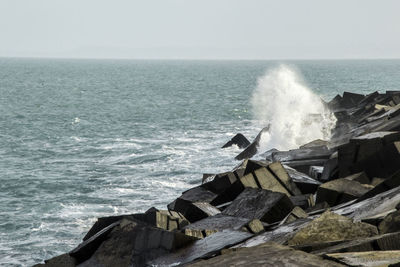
{"x":294,"y":113}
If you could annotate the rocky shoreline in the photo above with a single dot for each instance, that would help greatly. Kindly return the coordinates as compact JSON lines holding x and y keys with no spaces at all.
{"x":326,"y":203}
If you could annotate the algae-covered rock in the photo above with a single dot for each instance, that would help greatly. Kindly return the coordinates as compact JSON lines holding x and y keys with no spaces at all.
{"x":332,"y":227}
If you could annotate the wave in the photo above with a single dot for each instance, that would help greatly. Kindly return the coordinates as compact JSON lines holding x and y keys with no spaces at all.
{"x":294,"y":113}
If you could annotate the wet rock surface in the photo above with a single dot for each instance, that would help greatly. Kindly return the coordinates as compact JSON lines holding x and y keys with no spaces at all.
{"x":326,"y":203}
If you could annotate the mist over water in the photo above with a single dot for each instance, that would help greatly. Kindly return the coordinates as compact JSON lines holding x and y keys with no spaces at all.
{"x":295,"y":114}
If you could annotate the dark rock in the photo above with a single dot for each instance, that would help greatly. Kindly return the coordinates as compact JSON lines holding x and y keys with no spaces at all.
{"x":303,"y":201}
{"x":316,"y":143}
{"x":221,"y":222}
{"x":391,"y":223}
{"x":64,"y":260}
{"x":164,"y":219}
{"x":85,"y":250}
{"x":332,"y":227}
{"x":318,"y":208}
{"x":238,"y":140}
{"x":340,"y":191}
{"x":221,"y":182}
{"x":267,"y":254}
{"x":252,"y":149}
{"x":320,"y":152}
{"x":265,"y":205}
{"x":295,"y":214}
{"x":387,"y":184}
{"x":304,"y":165}
{"x":316,"y":172}
{"x":203,"y":248}
{"x":133,"y":244}
{"x":351,"y":99}
{"x":360,"y":177}
{"x":305,"y":183}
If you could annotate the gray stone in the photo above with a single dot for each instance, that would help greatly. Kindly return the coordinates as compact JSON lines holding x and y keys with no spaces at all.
{"x":265,"y":205}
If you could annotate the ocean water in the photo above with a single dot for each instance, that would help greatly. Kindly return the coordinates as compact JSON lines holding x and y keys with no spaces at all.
{"x":80,"y":139}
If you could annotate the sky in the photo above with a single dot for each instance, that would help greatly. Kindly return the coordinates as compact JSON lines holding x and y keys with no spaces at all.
{"x":203,"y":29}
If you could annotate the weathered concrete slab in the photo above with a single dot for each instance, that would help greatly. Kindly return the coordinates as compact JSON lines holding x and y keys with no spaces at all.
{"x":265,"y":205}
{"x":389,"y":241}
{"x":267,"y":254}
{"x":252,"y":149}
{"x":133,"y":244}
{"x":305,"y":183}
{"x":332,"y":227}
{"x":367,"y":259}
{"x":340,"y":191}
{"x":221,"y":222}
{"x":240,"y":140}
{"x":203,"y":248}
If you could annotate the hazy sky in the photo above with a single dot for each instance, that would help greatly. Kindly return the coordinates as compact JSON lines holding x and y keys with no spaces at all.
{"x":216,"y":29}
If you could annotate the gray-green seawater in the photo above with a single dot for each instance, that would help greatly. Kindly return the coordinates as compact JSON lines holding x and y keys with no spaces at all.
{"x":80,"y":139}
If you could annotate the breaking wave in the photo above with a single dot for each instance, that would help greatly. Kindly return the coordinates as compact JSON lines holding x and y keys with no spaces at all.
{"x":294,"y":113}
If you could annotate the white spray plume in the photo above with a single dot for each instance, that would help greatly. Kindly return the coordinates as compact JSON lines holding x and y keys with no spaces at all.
{"x":295,"y":114}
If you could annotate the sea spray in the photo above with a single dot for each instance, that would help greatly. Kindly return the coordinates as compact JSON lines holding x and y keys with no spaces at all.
{"x":294,"y":113}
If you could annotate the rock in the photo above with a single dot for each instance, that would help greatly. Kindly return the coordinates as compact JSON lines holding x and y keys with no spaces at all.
{"x":332,"y":227}
{"x":85,"y":250}
{"x":318,"y":208}
{"x":203,"y":248}
{"x":303,"y":201}
{"x":133,"y":243}
{"x":385,"y":185}
{"x":330,"y":170}
{"x":238,"y":140}
{"x":305,"y":183}
{"x":316,"y":172}
{"x":164,"y":219}
{"x":340,"y":191}
{"x":194,"y":204}
{"x":221,"y":222}
{"x":267,"y":254}
{"x":265,"y":205}
{"x":252,"y":149}
{"x":351,"y":99}
{"x":64,"y":260}
{"x":373,"y":148}
{"x":391,"y":223}
{"x":316,"y":143}
{"x":295,"y":214}
{"x":320,"y":152}
{"x":222,"y":181}
{"x":368,"y":258}
{"x":376,"y":243}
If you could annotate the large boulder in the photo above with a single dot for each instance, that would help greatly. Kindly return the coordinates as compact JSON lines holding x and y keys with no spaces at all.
{"x":265,"y":205}
{"x":332,"y":227}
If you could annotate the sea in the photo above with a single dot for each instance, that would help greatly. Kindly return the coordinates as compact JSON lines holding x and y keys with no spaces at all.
{"x":82,"y":139}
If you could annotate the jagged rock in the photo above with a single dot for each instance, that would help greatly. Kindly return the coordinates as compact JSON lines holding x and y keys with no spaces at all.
{"x":385,"y":185}
{"x":203,"y":248}
{"x":85,"y":250}
{"x":373,"y":153}
{"x":64,"y":260}
{"x":222,"y":181}
{"x":367,"y":259}
{"x":240,"y":140}
{"x":252,"y":149}
{"x":376,"y":243}
{"x":305,"y":183}
{"x":267,"y":254}
{"x":265,"y":205}
{"x":340,"y":191}
{"x":295,"y":214}
{"x":221,"y":222}
{"x":133,"y":243}
{"x":350,"y":99}
{"x":391,"y":223}
{"x":316,"y":143}
{"x":194,"y":204}
{"x":303,"y":201}
{"x":332,"y":227}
